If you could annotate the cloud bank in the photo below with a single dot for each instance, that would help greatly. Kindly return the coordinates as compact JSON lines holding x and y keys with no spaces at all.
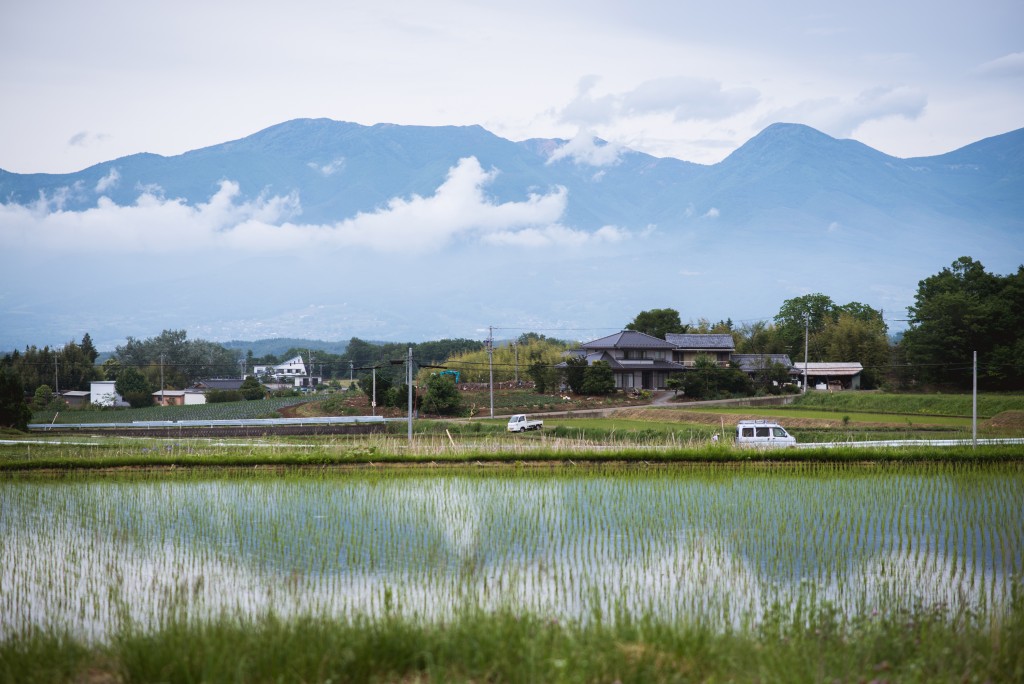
{"x":840,"y":118}
{"x":459,"y":210}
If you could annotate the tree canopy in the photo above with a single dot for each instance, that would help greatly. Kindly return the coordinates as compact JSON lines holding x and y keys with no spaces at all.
{"x":14,"y":412}
{"x":963,"y":309}
{"x":658,"y":322}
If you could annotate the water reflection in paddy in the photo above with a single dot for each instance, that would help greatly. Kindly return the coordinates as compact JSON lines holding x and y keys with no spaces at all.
{"x":709,"y":544}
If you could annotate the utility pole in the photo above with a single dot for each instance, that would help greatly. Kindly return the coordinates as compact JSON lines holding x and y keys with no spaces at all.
{"x":56,"y":380}
{"x":515,"y":350}
{"x":351,"y":371}
{"x":408,"y":380}
{"x":490,"y":363}
{"x":974,"y":405}
{"x":373,"y":400}
{"x":807,"y":330}
{"x":162,"y":379}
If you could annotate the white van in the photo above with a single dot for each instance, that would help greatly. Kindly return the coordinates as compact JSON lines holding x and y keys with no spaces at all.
{"x":762,"y":433}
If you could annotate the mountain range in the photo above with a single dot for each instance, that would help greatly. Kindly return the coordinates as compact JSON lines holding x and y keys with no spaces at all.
{"x":607,"y":232}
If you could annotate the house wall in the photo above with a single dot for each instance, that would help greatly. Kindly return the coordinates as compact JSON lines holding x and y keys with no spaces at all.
{"x":194,"y":398}
{"x":102,"y":393}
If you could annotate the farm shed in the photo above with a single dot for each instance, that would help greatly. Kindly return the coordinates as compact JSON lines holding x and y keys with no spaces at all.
{"x":830,"y":375}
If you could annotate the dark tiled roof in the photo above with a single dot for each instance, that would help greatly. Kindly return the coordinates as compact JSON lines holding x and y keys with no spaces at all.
{"x":628,"y":339}
{"x":700,"y":341}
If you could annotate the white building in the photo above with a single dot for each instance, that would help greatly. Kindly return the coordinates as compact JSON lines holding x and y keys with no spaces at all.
{"x":292,"y":372}
{"x":102,"y":393}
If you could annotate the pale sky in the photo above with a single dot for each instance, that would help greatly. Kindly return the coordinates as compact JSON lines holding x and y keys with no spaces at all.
{"x":84,"y":82}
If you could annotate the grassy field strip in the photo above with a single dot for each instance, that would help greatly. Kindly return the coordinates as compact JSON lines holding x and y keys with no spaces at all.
{"x":781,"y":414}
{"x":891,"y":443}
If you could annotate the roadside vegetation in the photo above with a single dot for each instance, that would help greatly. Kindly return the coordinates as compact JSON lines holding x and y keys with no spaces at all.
{"x":513,"y":647}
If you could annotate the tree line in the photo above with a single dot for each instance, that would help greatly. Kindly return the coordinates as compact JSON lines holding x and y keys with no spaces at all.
{"x":960,"y":310}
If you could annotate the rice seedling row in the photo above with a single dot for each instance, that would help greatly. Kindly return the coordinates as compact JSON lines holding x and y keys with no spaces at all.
{"x":724,"y":548}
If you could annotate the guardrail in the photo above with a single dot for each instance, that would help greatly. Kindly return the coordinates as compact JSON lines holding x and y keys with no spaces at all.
{"x":240,"y":422}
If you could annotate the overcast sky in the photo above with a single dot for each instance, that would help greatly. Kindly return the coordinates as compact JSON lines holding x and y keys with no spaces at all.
{"x":88,"y":82}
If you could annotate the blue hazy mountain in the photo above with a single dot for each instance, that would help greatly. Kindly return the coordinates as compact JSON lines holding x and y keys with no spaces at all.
{"x":791,"y":211}
{"x":786,"y":178}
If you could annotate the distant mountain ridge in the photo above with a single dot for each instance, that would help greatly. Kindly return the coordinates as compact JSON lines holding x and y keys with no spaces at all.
{"x":790,"y":212}
{"x":789,"y":171}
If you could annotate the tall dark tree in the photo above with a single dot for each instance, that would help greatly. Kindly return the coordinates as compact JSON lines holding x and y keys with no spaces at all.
{"x":599,"y":378}
{"x":575,"y":373}
{"x":14,"y":412}
{"x":658,"y":322}
{"x":963,"y":309}
{"x":442,"y":396}
{"x":134,"y":388}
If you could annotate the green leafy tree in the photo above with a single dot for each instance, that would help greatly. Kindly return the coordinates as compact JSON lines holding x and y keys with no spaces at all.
{"x":599,"y":378}
{"x":853,"y":338}
{"x":383,"y":386}
{"x":964,"y":309}
{"x":14,"y":412}
{"x":184,"y":361}
{"x":252,"y":388}
{"x":42,"y":397}
{"x":707,"y":380}
{"x":817,"y":308}
{"x":658,"y":322}
{"x":133,"y":386}
{"x":575,"y":373}
{"x":442,"y":396}
{"x":545,"y":377}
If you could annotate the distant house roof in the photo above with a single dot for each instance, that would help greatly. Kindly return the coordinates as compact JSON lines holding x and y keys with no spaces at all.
{"x":169,"y":393}
{"x":755,"y":362}
{"x":628,"y":339}
{"x":833,"y":368}
{"x":721,"y":341}
{"x":220,"y":384}
{"x":75,"y":393}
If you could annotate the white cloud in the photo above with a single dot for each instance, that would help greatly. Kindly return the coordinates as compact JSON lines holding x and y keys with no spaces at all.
{"x":458,"y":209}
{"x":556,"y":236}
{"x":586,"y":149}
{"x":711,"y":213}
{"x":108,"y":181}
{"x":683,"y":98}
{"x":1011,"y":65}
{"x":688,"y":99}
{"x":840,"y":118}
{"x":85,"y":138}
{"x":330,"y":168}
{"x":834,"y":227}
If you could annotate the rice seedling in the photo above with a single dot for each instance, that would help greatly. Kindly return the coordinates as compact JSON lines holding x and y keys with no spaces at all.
{"x":724,"y":548}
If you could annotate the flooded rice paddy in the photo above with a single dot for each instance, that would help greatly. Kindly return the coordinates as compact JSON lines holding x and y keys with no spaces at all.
{"x":713,"y":545}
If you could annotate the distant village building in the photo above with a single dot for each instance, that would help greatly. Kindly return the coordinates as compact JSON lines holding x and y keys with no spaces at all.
{"x":103,"y":393}
{"x":291,"y":373}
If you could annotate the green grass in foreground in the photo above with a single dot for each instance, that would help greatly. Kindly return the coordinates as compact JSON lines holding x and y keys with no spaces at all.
{"x":506,"y":647}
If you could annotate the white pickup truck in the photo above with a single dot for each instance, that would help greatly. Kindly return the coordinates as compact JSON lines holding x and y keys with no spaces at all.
{"x":520,"y":423}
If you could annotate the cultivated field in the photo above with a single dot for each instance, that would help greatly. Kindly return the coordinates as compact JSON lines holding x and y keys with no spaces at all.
{"x":867,"y":569}
{"x":623,"y":547}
